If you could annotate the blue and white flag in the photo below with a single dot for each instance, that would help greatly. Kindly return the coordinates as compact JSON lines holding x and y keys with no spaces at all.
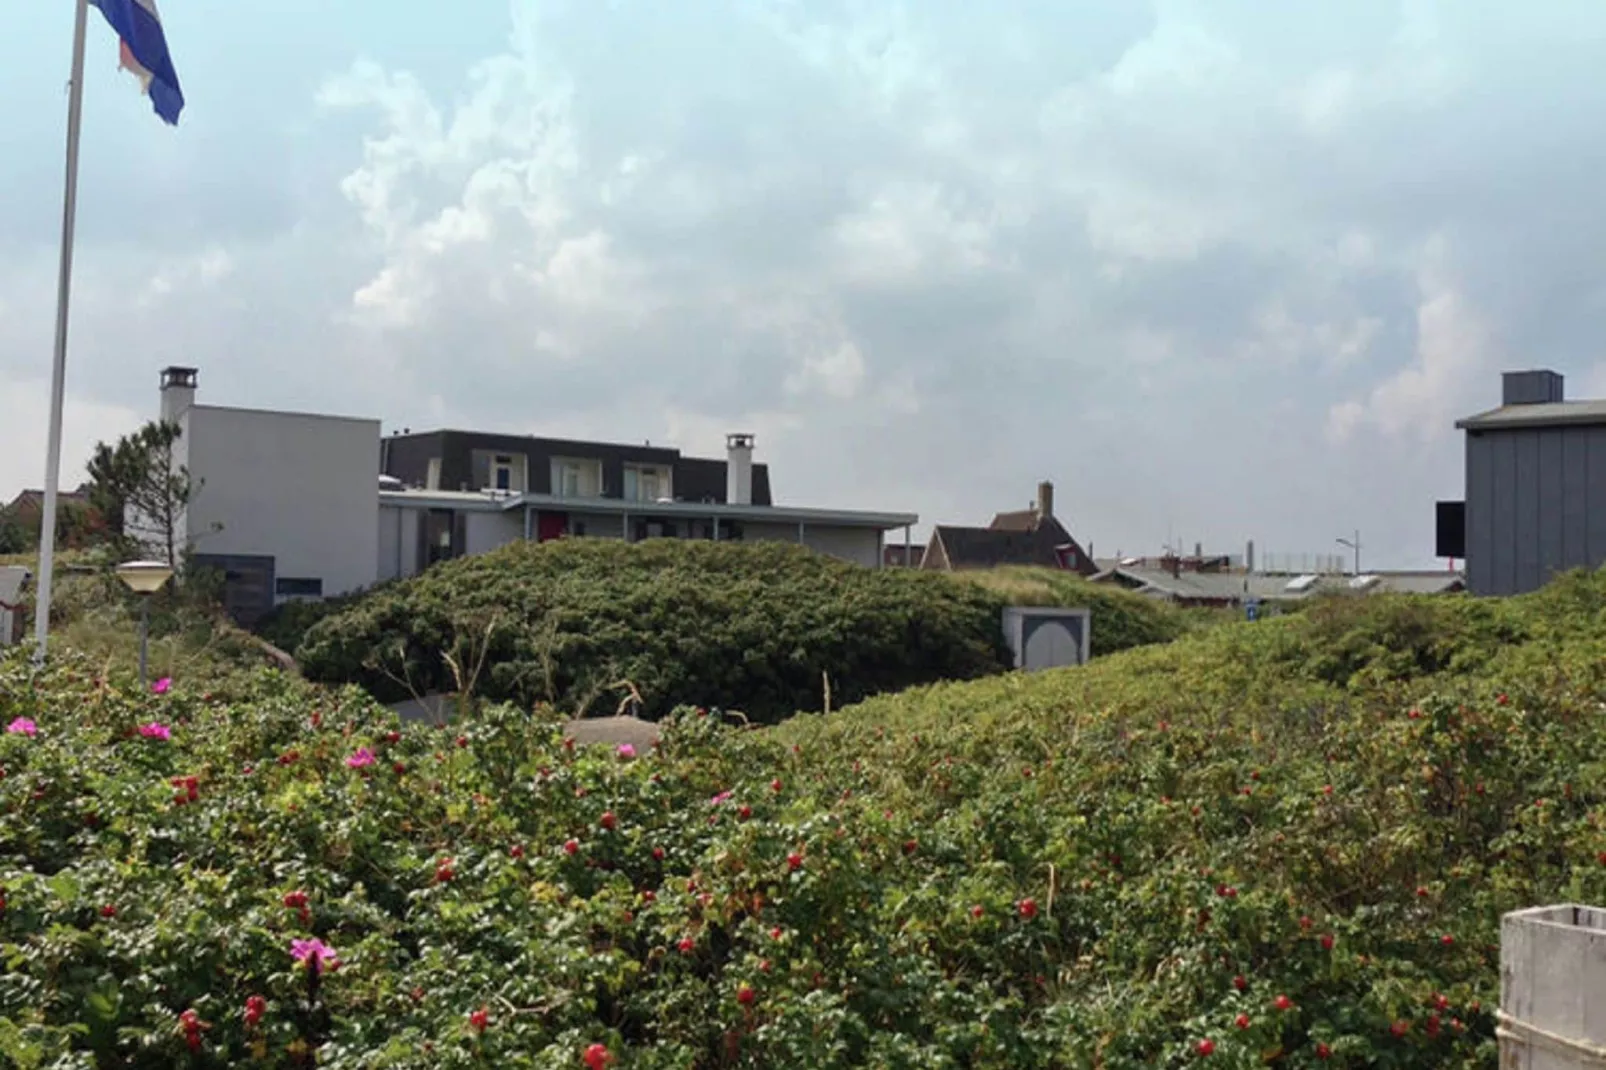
{"x":144,"y":52}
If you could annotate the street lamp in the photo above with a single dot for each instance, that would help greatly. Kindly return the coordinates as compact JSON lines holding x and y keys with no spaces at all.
{"x":144,"y":578}
{"x":1353,"y":544}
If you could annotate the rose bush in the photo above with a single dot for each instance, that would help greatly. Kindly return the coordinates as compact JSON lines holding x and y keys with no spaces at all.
{"x":1285,"y":843}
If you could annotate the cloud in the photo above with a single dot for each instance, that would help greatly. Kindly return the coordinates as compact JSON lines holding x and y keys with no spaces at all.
{"x":1212,"y":267}
{"x":1454,"y":362}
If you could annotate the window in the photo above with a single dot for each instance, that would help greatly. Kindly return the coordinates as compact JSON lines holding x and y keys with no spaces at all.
{"x":646,"y":483}
{"x":298,"y":587}
{"x":502,"y":472}
{"x":575,"y":478}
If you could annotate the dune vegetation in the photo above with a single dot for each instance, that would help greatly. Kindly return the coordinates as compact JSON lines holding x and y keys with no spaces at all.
{"x":1286,"y":843}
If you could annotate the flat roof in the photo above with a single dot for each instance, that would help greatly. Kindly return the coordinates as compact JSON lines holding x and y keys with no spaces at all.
{"x":774,"y":514}
{"x":1546,"y":414}
{"x":246,"y":410}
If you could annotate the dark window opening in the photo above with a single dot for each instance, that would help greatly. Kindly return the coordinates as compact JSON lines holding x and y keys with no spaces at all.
{"x":1450,"y":529}
{"x":299,"y":586}
{"x":655,"y":529}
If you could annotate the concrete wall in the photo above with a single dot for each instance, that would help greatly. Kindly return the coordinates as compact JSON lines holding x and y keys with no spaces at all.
{"x":1536,"y":505}
{"x":597,"y":525}
{"x":487,"y":531}
{"x":398,"y":541}
{"x":862,"y":546}
{"x":301,"y":488}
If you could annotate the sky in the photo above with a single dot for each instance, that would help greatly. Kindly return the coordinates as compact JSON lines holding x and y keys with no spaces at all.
{"x":1221,"y":271}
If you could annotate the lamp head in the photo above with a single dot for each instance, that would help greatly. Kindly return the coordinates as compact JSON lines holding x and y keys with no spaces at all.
{"x":144,"y":577}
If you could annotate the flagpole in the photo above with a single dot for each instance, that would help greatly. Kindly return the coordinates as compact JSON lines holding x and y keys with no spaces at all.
{"x":58,"y":371}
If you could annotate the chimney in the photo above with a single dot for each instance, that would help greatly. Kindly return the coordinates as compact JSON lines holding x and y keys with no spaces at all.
{"x":1249,"y":557}
{"x":1045,"y":499}
{"x":739,"y":469}
{"x":178,"y":392}
{"x":1538,"y":387}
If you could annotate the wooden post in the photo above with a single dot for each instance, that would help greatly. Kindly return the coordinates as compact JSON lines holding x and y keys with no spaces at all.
{"x":1553,"y":988}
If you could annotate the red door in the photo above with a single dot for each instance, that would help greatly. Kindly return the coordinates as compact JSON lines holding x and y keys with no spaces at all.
{"x":550,"y":526}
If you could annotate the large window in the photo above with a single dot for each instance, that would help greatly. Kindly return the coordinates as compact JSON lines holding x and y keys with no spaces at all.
{"x":647,"y":483}
{"x":573,"y":478}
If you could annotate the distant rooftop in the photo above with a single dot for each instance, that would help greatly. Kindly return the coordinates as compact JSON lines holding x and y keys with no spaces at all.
{"x":1535,"y":398}
{"x":1550,"y":414}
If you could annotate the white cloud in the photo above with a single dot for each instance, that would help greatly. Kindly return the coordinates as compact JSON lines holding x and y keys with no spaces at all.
{"x":1452,"y":363}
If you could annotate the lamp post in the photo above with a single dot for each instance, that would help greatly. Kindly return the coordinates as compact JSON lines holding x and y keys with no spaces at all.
{"x":1353,"y":544}
{"x":144,"y":578}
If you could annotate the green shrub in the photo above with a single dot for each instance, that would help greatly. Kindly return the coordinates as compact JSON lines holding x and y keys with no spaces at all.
{"x":760,"y":627}
{"x":287,"y":624}
{"x":1098,"y":867}
{"x":1121,"y":619}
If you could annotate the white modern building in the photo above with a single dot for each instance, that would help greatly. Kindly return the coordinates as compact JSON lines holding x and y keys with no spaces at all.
{"x":286,"y":505}
{"x":304,"y":505}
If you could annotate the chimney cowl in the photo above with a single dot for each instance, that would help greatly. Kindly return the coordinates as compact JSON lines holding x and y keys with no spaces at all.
{"x":178,"y":392}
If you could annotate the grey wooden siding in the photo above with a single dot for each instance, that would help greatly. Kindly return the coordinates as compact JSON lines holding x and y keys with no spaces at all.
{"x":1536,"y":505}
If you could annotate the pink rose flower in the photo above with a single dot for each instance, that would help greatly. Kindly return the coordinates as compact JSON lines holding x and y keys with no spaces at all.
{"x":22,"y":727}
{"x":315,"y":953}
{"x":155,"y":730}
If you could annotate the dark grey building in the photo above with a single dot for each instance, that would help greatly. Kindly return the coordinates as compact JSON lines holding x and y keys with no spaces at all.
{"x":520,"y":464}
{"x":1535,"y":488}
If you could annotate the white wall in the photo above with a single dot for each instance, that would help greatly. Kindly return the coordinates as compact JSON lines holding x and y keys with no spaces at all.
{"x":859,"y":545}
{"x":862,"y":546}
{"x":487,"y":531}
{"x":598,"y":525}
{"x":398,"y":541}
{"x":301,"y":488}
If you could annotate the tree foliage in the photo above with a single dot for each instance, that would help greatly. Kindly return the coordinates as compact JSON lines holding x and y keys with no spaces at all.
{"x":141,"y":490}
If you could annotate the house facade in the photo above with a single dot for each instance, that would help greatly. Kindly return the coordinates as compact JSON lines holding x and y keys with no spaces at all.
{"x":1535,"y":500}
{"x":304,"y":505}
{"x":511,"y":487}
{"x":1031,"y":536}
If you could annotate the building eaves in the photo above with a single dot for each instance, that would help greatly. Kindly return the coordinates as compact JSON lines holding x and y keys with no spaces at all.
{"x":1551,"y":414}
{"x":485,"y":502}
